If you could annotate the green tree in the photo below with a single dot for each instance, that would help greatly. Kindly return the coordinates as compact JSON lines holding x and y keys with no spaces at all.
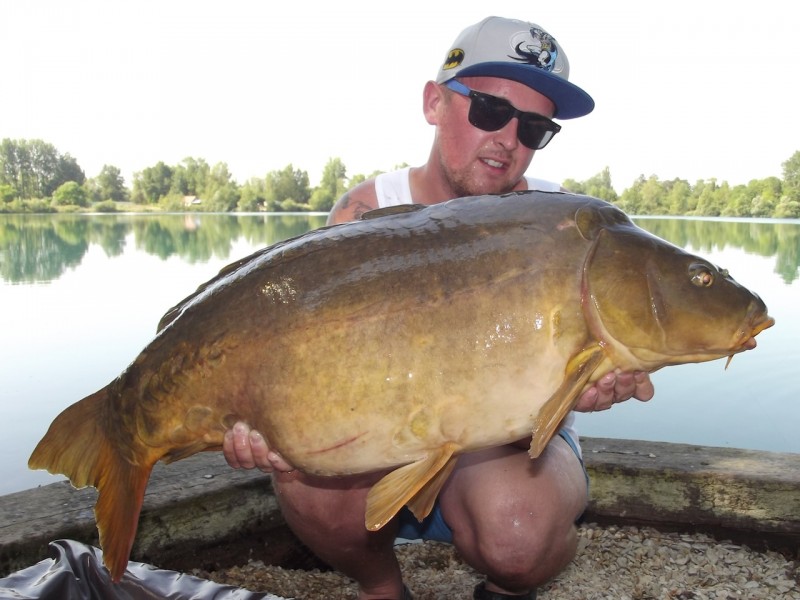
{"x":152,"y":183}
{"x":770,"y":187}
{"x":652,"y":197}
{"x":35,"y":168}
{"x":762,"y":206}
{"x":679,"y":197}
{"x":220,"y":192}
{"x":190,"y":178}
{"x":713,"y":198}
{"x":70,"y":193}
{"x":631,"y":198}
{"x":9,"y":166}
{"x":331,"y":186}
{"x":67,"y":169}
{"x":252,"y":195}
{"x":600,"y":186}
{"x":35,"y":159}
{"x":358,"y":178}
{"x":110,"y":184}
{"x":289,"y":184}
{"x":791,"y":177}
{"x":361,"y":178}
{"x":787,"y":209}
{"x":765,"y":194}
{"x":7,"y":193}
{"x":738,"y":203}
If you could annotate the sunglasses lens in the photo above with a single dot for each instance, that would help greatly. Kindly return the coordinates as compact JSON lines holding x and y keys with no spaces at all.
{"x":491,"y":113}
{"x":535,"y":133}
{"x":488,"y":112}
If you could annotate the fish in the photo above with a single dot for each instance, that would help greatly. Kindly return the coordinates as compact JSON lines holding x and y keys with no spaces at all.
{"x":397,"y":343}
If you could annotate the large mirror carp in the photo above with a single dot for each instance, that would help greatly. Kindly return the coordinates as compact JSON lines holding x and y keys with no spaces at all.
{"x":399,"y":342}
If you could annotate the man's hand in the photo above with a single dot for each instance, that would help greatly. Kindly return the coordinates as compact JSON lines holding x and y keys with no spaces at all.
{"x":245,"y":449}
{"x":616,"y":387}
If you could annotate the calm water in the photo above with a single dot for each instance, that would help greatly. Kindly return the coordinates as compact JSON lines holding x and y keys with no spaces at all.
{"x":81,"y":295}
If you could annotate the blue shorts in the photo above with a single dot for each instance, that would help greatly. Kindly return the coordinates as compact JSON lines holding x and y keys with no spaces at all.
{"x":433,"y":526}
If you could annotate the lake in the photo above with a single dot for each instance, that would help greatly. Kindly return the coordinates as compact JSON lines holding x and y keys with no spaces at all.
{"x":81,"y":295}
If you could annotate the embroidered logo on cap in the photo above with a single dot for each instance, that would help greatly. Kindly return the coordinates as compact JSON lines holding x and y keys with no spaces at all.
{"x":535,"y":47}
{"x":454,"y":58}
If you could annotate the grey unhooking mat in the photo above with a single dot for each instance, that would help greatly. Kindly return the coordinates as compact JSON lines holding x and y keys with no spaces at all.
{"x":76,"y":572}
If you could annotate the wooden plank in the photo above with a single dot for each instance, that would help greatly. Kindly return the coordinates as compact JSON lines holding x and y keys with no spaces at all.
{"x":199,"y":509}
{"x":755,"y":494}
{"x":189,"y":505}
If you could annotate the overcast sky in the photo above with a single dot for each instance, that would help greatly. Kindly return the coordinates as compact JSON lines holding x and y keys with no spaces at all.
{"x":683,"y":89}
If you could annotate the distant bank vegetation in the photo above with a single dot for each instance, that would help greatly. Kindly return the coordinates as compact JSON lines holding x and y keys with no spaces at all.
{"x":36,"y":177}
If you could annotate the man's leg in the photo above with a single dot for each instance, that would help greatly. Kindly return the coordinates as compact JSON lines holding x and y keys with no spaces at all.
{"x":327,"y":514}
{"x":513,"y":518}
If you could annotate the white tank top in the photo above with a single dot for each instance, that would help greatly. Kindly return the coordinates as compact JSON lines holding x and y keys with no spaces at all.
{"x":394,"y":188}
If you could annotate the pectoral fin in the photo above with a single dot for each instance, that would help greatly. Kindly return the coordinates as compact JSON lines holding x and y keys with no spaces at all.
{"x":416,"y":484}
{"x":576,"y":375}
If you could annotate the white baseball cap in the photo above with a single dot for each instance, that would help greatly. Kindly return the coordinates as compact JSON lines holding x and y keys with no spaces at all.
{"x":520,"y":51}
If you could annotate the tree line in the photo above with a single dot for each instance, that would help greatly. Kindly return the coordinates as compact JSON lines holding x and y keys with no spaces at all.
{"x":770,"y":197}
{"x":40,"y":250}
{"x":36,"y":177}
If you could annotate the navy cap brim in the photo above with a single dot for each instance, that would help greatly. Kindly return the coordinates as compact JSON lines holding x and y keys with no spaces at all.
{"x":570,"y":100}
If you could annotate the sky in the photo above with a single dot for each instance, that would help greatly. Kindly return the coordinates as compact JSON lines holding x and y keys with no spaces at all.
{"x":693,"y":90}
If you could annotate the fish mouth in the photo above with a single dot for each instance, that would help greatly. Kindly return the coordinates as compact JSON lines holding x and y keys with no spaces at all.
{"x":765,"y":323}
{"x":756,"y":321}
{"x":744,"y":338}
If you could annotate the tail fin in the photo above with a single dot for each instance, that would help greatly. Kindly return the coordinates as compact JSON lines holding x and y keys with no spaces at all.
{"x":77,"y":445}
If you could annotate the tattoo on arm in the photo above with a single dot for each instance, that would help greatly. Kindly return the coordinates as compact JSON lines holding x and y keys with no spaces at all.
{"x":348,"y":209}
{"x":359,"y":208}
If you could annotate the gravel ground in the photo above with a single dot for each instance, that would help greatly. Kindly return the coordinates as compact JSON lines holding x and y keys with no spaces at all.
{"x":614,"y":563}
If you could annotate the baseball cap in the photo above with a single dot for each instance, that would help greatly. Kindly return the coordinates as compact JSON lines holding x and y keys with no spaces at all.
{"x":521,"y":51}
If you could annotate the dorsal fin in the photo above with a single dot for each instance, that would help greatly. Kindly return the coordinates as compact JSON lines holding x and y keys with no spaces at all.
{"x":392,"y":210}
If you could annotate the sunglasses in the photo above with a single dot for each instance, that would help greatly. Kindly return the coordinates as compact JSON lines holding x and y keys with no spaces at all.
{"x":490,"y":113}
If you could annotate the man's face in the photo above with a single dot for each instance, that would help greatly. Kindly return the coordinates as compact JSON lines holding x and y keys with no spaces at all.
{"x":484,"y":162}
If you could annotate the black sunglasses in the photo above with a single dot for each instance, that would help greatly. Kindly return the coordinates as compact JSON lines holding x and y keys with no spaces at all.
{"x":491,"y":113}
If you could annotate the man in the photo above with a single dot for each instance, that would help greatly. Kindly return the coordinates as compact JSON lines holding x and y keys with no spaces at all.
{"x":511,"y":518}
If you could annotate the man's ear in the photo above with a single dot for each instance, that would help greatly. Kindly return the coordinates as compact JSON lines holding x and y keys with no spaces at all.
{"x":432,"y":102}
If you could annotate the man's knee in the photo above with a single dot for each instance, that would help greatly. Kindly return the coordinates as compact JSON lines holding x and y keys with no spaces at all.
{"x":518,"y":539}
{"x":526,"y":557}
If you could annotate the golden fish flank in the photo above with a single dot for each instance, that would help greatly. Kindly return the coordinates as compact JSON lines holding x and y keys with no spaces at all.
{"x":502,"y":332}
{"x":398,"y":342}
{"x":421,"y":341}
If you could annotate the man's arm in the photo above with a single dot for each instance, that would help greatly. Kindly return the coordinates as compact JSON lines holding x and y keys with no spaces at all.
{"x":354,"y":203}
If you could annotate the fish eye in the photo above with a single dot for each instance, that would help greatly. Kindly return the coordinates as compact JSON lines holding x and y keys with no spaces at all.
{"x":701,"y":275}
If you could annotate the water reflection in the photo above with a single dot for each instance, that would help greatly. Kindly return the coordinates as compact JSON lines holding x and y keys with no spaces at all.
{"x":41,"y":248}
{"x":777,"y":238}
{"x":111,"y":277}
